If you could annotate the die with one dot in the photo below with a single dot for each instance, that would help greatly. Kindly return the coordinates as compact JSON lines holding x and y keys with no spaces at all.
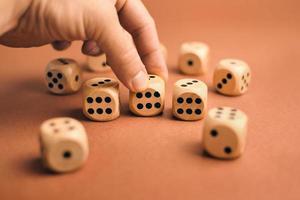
{"x":98,"y":63}
{"x":225,"y":131}
{"x":101,"y":99}
{"x":193,"y":59}
{"x":64,"y":144}
{"x":63,"y":76}
{"x":189,"y":99}
{"x":151,"y":101}
{"x":232,"y":77}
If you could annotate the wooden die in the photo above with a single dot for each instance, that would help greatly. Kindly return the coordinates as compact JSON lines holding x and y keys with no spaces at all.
{"x":150,"y":102}
{"x":64,"y":144}
{"x":193,"y":58}
{"x":97,"y":63}
{"x":189,"y":99}
{"x":225,"y":131}
{"x":63,"y":76}
{"x":232,"y":77}
{"x":101,"y":99}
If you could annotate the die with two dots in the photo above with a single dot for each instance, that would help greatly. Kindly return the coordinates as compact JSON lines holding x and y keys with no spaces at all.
{"x":63,"y":76}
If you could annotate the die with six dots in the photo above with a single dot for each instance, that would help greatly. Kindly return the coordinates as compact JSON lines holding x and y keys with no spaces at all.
{"x":151,"y":101}
{"x":64,"y":144}
{"x":232,"y":77}
{"x":224,"y":134}
{"x":101,"y":99}
{"x":97,"y":63}
{"x":193,"y":58}
{"x":63,"y":76}
{"x":189,"y":99}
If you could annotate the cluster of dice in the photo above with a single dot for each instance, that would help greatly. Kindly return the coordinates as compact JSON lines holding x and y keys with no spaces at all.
{"x":64,"y":143}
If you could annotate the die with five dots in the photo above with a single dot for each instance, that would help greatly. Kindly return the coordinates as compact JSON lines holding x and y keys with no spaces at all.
{"x":98,"y":63}
{"x":232,"y":77}
{"x":151,"y":101}
{"x":193,"y":58}
{"x":64,"y":144}
{"x":224,"y":134}
{"x":101,"y":99}
{"x":189,"y":99}
{"x":63,"y":76}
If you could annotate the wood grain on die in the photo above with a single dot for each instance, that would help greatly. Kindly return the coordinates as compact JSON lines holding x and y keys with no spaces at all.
{"x":189,"y":99}
{"x":225,"y":131}
{"x":232,"y":77}
{"x":63,"y":76}
{"x":193,"y":58}
{"x":64,"y":144}
{"x":98,"y":63}
{"x":151,"y":101}
{"x":101,"y":99}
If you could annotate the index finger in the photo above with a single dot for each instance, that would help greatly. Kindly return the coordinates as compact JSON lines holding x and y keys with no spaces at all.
{"x":135,"y":18}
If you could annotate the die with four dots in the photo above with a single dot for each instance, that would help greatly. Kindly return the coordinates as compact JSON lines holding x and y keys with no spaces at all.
{"x":224,"y":134}
{"x":101,"y":99}
{"x":150,"y":102}
{"x":193,"y":58}
{"x":189,"y":99}
{"x":64,"y":144}
{"x":232,"y":77}
{"x":63,"y":76}
{"x":98,"y":63}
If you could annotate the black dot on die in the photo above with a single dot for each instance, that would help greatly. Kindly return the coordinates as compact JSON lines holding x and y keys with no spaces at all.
{"x":98,"y":99}
{"x":190,"y":63}
{"x":54,"y":80}
{"x":101,"y":82}
{"x":219,"y":86}
{"x":227,"y":150}
{"x":183,"y":85}
{"x":50,"y":85}
{"x":180,"y":100}
{"x":189,"y":83}
{"x":107,"y":80}
{"x":107,"y":99}
{"x":148,"y":94}
{"x":157,"y":105}
{"x":77,"y":78}
{"x":198,"y":112}
{"x":100,"y":111}
{"x":189,"y":100}
{"x":139,"y":95}
{"x":91,"y":111}
{"x":224,"y":81}
{"x":151,"y":76}
{"x":214,"y":133}
{"x":95,"y":85}
{"x":89,"y":100}
{"x":189,"y":111}
{"x":103,"y":64}
{"x":67,"y":154}
{"x":180,"y":111}
{"x":157,"y":94}
{"x":108,"y":110}
{"x":49,"y":74}
{"x":139,"y":106}
{"x":198,"y":100}
{"x":229,"y":76}
{"x":148,"y":105}
{"x":59,"y":75}
{"x":195,"y":81}
{"x":60,"y":86}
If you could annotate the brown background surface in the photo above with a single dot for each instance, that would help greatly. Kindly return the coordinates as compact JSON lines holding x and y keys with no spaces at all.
{"x":160,"y":158}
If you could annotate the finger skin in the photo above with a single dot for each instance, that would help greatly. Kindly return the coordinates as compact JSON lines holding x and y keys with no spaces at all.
{"x":135,"y":18}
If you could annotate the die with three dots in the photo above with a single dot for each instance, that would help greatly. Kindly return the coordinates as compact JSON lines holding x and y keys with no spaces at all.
{"x":193,"y":58}
{"x":98,"y":63}
{"x":64,"y":144}
{"x":101,"y":99}
{"x":224,"y":133}
{"x":232,"y":77}
{"x":189,"y":99}
{"x":150,"y":102}
{"x":63,"y":76}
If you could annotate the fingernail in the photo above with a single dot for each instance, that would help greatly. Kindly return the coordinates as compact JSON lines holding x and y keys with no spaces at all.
{"x":94,"y":51}
{"x":140,"y":81}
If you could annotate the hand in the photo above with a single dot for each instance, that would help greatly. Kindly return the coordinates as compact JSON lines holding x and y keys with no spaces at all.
{"x":123,"y":29}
